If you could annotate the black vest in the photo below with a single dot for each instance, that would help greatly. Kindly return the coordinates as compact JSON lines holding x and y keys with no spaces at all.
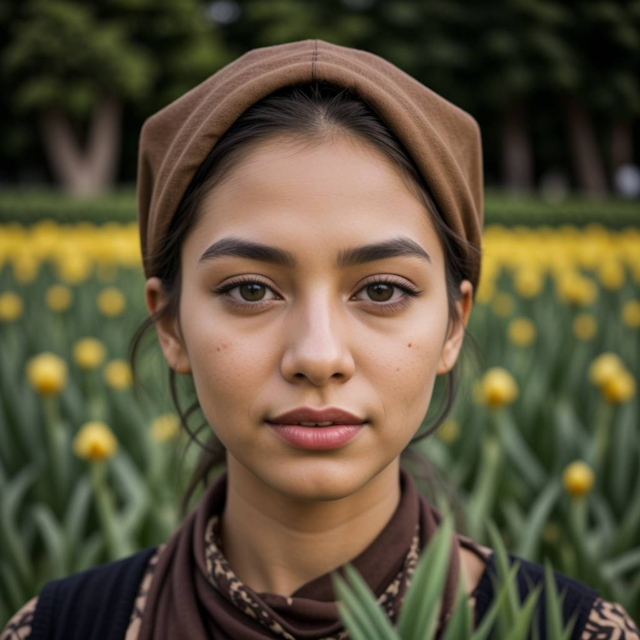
{"x":96,"y":604}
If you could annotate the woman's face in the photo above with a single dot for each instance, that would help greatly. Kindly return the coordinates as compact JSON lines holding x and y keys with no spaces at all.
{"x":313,"y":332}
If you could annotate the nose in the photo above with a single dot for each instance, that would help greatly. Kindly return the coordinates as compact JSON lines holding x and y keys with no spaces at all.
{"x":317,"y":343}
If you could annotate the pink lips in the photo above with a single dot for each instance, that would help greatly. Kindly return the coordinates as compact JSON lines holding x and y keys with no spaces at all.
{"x":317,"y":437}
{"x":345,"y":426}
{"x":309,"y":414}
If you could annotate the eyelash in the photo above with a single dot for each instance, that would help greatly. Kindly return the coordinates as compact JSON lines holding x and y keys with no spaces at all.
{"x":410,"y":292}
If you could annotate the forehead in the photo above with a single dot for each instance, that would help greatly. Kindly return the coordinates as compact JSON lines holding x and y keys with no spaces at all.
{"x":321,"y":195}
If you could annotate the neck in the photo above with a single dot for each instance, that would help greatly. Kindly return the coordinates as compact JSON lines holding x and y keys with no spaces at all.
{"x":276,"y":544}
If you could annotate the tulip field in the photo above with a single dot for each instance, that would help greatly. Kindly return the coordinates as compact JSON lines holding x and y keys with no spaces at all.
{"x":544,"y":438}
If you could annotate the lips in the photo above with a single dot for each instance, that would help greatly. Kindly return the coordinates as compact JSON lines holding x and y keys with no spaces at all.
{"x":309,"y":414}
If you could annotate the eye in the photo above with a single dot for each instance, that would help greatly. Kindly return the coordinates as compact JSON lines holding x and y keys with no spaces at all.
{"x":251,"y":289}
{"x":381,"y":290}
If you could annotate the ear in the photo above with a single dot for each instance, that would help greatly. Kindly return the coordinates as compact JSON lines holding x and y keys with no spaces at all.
{"x":168,"y":330}
{"x":453,"y":343}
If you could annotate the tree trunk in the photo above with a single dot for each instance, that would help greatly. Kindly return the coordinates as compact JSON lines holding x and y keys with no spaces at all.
{"x":587,"y":161}
{"x":621,"y":143}
{"x":92,"y":169}
{"x":517,"y":157}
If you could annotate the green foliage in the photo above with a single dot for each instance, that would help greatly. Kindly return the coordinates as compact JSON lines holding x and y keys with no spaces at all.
{"x":66,"y":54}
{"x":507,"y":616}
{"x":63,"y":56}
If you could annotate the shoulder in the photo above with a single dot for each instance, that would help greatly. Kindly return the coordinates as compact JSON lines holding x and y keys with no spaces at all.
{"x":578,"y":598}
{"x":101,"y":594}
{"x":19,"y":626}
{"x":609,"y":620}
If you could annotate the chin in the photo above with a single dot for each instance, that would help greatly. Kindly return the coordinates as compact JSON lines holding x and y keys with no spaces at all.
{"x":318,"y":480}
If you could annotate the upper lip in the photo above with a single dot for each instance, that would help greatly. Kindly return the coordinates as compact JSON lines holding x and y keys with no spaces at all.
{"x":309,"y":414}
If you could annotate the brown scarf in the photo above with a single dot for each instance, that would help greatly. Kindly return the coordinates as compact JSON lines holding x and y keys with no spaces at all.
{"x":195,"y":594}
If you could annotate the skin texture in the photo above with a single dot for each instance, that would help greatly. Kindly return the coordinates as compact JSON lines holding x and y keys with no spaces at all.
{"x":321,"y":338}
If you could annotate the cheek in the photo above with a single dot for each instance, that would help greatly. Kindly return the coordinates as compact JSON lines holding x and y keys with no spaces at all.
{"x":228,"y":369}
{"x":405,"y":373}
{"x":409,"y":364}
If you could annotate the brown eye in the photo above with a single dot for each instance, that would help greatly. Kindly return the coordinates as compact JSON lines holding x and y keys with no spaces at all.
{"x":380,"y":292}
{"x":251,"y":291}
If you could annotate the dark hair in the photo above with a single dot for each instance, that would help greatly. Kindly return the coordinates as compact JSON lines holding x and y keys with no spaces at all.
{"x":311,"y":113}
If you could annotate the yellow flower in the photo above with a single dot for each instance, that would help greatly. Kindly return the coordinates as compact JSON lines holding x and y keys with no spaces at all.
{"x":89,"y":353}
{"x":58,"y":297}
{"x":503,"y":304}
{"x":448,"y":431}
{"x":11,"y":306}
{"x":574,"y":288}
{"x":498,"y":387}
{"x":584,"y":326}
{"x":165,"y":427}
{"x":522,"y":331}
{"x":117,"y":374}
{"x":111,"y":302}
{"x":619,"y":387}
{"x":604,"y":367}
{"x":631,"y":314}
{"x":528,"y":282}
{"x":95,"y":441}
{"x":611,"y":274}
{"x":578,"y":479}
{"x":47,"y":373}
{"x":74,"y":268}
{"x":25,"y":268}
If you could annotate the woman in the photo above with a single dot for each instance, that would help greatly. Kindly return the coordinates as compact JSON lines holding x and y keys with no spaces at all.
{"x":310,"y":222}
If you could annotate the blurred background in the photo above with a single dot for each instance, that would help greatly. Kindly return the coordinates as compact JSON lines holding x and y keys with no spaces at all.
{"x":544,"y":437}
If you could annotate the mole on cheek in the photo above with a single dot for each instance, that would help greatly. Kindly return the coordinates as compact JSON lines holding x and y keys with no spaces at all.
{"x":409,"y":345}
{"x":221,"y":346}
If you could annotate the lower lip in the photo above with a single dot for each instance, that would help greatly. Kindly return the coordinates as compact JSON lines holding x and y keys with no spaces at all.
{"x":317,"y":437}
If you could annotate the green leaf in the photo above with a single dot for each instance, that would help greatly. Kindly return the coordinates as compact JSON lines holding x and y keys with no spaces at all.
{"x":519,"y":452}
{"x":629,"y":529}
{"x":17,"y":595}
{"x":367,"y":618}
{"x":54,"y":539}
{"x":486,"y":624}
{"x":514,"y":517}
{"x":422,"y":602}
{"x":460,"y":624}
{"x":554,"y":604}
{"x":624,"y":454}
{"x":612,"y":570}
{"x":606,"y":531}
{"x":90,"y":552}
{"x":523,"y":619}
{"x":538,"y":516}
{"x":13,"y":541}
{"x":351,"y":624}
{"x":77,"y":511}
{"x":502,"y":566}
{"x":136,"y":494}
{"x":481,"y":502}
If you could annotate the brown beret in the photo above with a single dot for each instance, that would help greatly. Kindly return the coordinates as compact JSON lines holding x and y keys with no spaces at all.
{"x":443,"y":140}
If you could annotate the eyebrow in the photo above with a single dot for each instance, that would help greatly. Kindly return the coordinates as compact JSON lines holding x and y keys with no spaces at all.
{"x":240,"y":248}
